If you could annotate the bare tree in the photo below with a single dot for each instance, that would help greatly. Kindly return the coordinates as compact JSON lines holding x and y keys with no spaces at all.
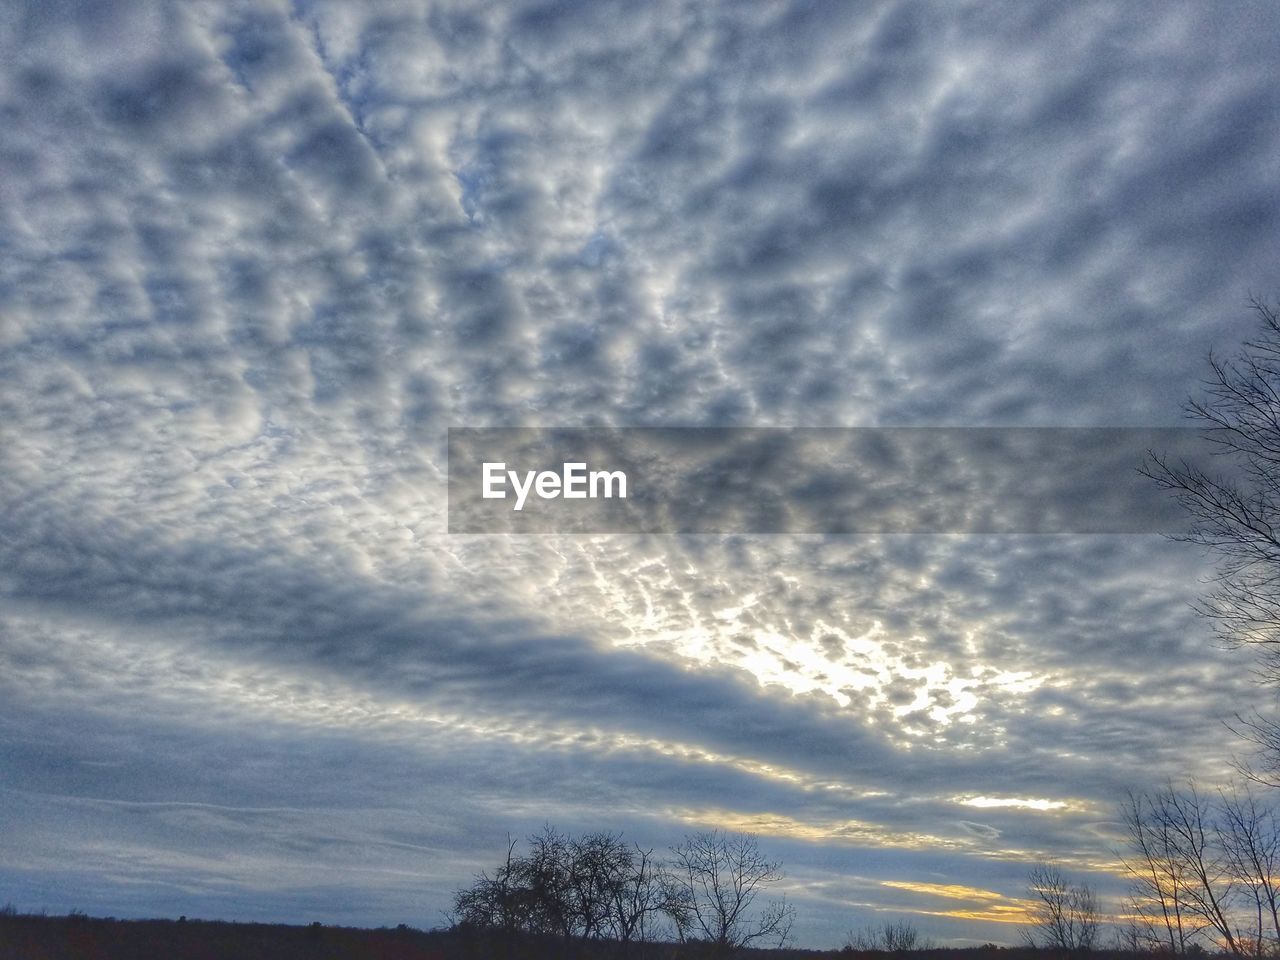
{"x":491,"y":902}
{"x":1209,"y":886}
{"x":1238,"y":518}
{"x":546,"y":877}
{"x":617,"y":889}
{"x":1158,"y":921}
{"x":715,"y":881}
{"x":1205,"y":868}
{"x":592,"y":887}
{"x":1065,"y":915}
{"x":596,"y":862}
{"x":1249,"y":835}
{"x":637,"y":896}
{"x":898,"y":936}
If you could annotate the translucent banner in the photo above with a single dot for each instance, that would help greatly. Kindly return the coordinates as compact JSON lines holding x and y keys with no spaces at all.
{"x":815,"y":480}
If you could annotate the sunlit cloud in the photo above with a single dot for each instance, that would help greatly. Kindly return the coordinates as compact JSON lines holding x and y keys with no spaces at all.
{"x":1016,"y":803}
{"x":951,"y":891}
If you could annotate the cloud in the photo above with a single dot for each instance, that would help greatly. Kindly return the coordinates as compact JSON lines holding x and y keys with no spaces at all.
{"x":259,"y":257}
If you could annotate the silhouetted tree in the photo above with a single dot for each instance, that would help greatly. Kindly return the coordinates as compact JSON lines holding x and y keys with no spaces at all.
{"x":890,"y":937}
{"x":1249,"y":833}
{"x":636,"y":894}
{"x":546,"y":879}
{"x":1065,"y":915}
{"x":715,"y":881}
{"x":1158,"y":920}
{"x":1204,"y":867}
{"x":1238,"y":518}
{"x":593,"y":887}
{"x":492,"y":902}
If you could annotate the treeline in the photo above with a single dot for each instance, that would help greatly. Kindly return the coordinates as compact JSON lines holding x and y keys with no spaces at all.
{"x":599,"y":889}
{"x":28,"y":937}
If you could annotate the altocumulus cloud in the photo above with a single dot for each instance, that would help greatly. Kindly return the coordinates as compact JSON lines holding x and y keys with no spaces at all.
{"x":257,"y":258}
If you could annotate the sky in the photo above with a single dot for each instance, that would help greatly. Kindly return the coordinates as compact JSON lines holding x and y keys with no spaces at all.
{"x":259,"y":257}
